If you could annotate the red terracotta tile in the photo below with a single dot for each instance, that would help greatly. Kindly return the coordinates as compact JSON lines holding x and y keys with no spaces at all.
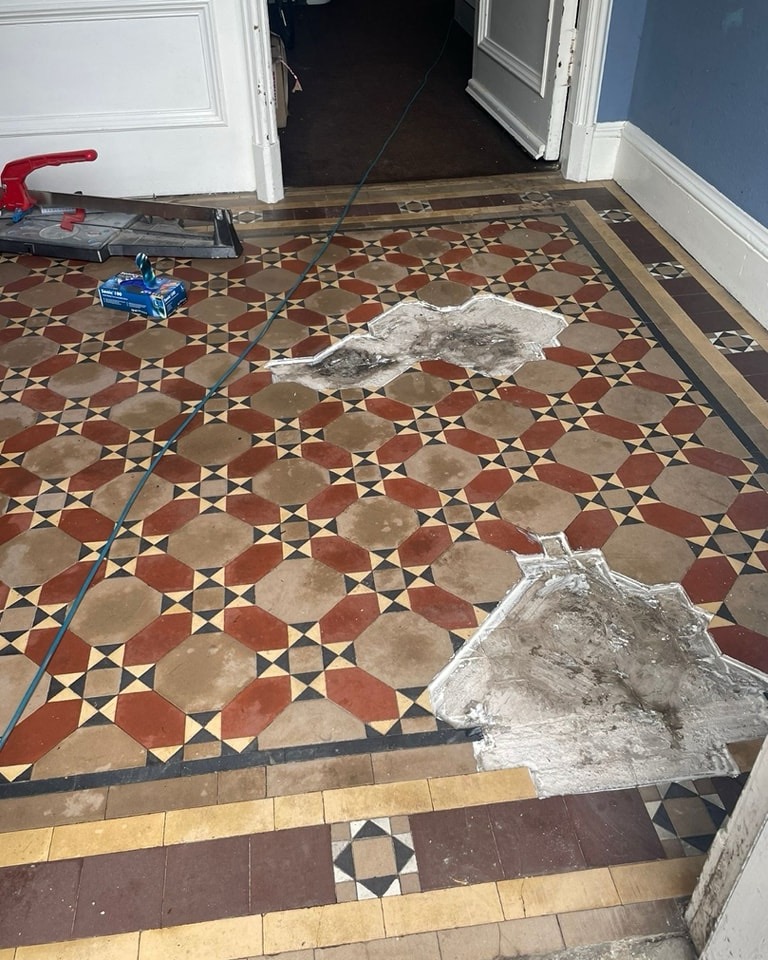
{"x":566,"y":478}
{"x":177,"y":469}
{"x":96,"y":475}
{"x":652,"y":381}
{"x":164,"y":573}
{"x":255,"y":628}
{"x":452,"y":257}
{"x":506,"y":536}
{"x":253,"y":509}
{"x":445,"y":370}
{"x":85,"y":525}
{"x":255,"y":707}
{"x":683,"y":419}
{"x":424,"y":546}
{"x":523,"y":397}
{"x":29,"y":438}
{"x":18,"y":482}
{"x":364,"y":313}
{"x":181,"y":389}
{"x":254,"y":563}
{"x":166,"y":430}
{"x":40,"y":732}
{"x":71,"y":656}
{"x":412,"y":493}
{"x":160,"y":637}
{"x":558,"y":246}
{"x":542,"y":434}
{"x":362,"y":695}
{"x":52,"y":365}
{"x":743,"y":645}
{"x":398,"y":449}
{"x":412,"y":283}
{"x":456,"y":403}
{"x":590,"y":293}
{"x":307,"y":318}
{"x":591,"y":529}
{"x":639,"y":469}
{"x":442,"y":608}
{"x":589,"y":390}
{"x":42,"y":399}
{"x":470,"y":441}
{"x":388,"y":409}
{"x":347,"y":620}
{"x":62,"y":589}
{"x":119,"y":360}
{"x":673,"y":520}
{"x":248,"y":464}
{"x":613,"y":320}
{"x":114,"y":394}
{"x":340,"y":554}
{"x":12,"y":524}
{"x":520,"y":273}
{"x":749,"y":511}
{"x":326,"y":454}
{"x":332,"y":501}
{"x":311,"y":346}
{"x":170,"y":517}
{"x":251,"y":383}
{"x":709,"y":579}
{"x":321,"y":414}
{"x":717,"y":462}
{"x":150,"y":719}
{"x":106,"y":433}
{"x":488,"y":486}
{"x":534,"y":298}
{"x":613,"y":426}
{"x":632,"y":348}
{"x":568,"y":356}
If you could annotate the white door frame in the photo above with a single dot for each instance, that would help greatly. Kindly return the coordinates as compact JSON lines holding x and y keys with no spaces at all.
{"x":580,"y":119}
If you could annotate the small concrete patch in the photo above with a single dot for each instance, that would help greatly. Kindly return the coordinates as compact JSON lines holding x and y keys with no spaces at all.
{"x":596,"y":681}
{"x":488,"y":334}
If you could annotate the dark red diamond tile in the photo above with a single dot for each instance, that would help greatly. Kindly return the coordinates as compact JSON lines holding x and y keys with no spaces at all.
{"x":506,"y":536}
{"x":340,"y":554}
{"x":613,"y":426}
{"x":170,"y":517}
{"x":253,"y":564}
{"x":332,"y":501}
{"x":591,"y":529}
{"x":673,"y":520}
{"x":442,"y":608}
{"x":456,"y":403}
{"x":640,"y":469}
{"x":96,"y":475}
{"x":542,"y":434}
{"x":364,"y":696}
{"x":535,"y":837}
{"x":255,"y":707}
{"x":106,"y":433}
{"x":614,"y":827}
{"x":176,"y":469}
{"x":389,"y":409}
{"x":321,"y":414}
{"x":412,"y":493}
{"x":631,"y":348}
{"x":12,"y":524}
{"x":743,"y":645}
{"x":255,"y":628}
{"x":165,"y":574}
{"x":717,"y":462}
{"x":17,"y":482}
{"x":523,"y":397}
{"x":40,"y":732}
{"x":150,"y":719}
{"x":441,"y":368}
{"x":488,"y":486}
{"x":534,"y":298}
{"x":251,"y":421}
{"x":85,"y":525}
{"x":364,"y":313}
{"x":29,"y":438}
{"x":709,"y":579}
{"x":248,"y":464}
{"x":160,"y":637}
{"x":568,"y":356}
{"x":613,"y":320}
{"x":470,"y":441}
{"x":424,"y":546}
{"x":71,"y":656}
{"x":683,"y":419}
{"x":42,"y":399}
{"x":566,"y":478}
{"x":589,"y":390}
{"x":347,"y":620}
{"x":657,"y":383}
{"x":398,"y":449}
{"x":326,"y":454}
{"x":749,"y":511}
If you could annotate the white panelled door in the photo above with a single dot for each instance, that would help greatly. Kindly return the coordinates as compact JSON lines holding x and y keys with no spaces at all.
{"x":522,"y":66}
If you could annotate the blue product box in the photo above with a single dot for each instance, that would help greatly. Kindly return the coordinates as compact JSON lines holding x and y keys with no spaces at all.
{"x":130,"y":291}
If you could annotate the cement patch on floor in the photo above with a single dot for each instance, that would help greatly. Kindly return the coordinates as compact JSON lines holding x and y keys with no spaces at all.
{"x":596,"y":681}
{"x":488,"y":334}
{"x":653,"y":948}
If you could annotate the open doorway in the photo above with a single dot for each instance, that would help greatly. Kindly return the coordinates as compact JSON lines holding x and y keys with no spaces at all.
{"x":359,"y":62}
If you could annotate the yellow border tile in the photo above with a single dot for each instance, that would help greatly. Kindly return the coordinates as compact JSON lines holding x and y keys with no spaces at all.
{"x":558,"y":893}
{"x":377,"y":800}
{"x":299,"y":810}
{"x":107,"y":836}
{"x":122,"y":946}
{"x":326,"y":926}
{"x":657,"y":879}
{"x":25,"y":846}
{"x":228,"y":939}
{"x":472,"y":789}
{"x":224,"y":820}
{"x":440,"y":909}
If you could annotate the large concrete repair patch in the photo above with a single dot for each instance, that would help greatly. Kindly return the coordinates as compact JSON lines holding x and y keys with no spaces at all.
{"x":595,"y":681}
{"x":487,"y":334}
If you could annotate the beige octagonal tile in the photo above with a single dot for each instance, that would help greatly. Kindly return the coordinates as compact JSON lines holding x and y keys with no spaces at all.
{"x":487,"y":264}
{"x":425,"y":248}
{"x":377,"y":523}
{"x":282,"y":333}
{"x":311,"y":721}
{"x":26,"y":351}
{"x":14,"y":417}
{"x":272,"y":280}
{"x":694,"y":489}
{"x":115,"y":610}
{"x":112,"y":497}
{"x":591,"y":452}
{"x":47,"y":294}
{"x":359,"y":430}
{"x":444,"y":293}
{"x":476,"y":572}
{"x":82,"y":379}
{"x":218,"y":309}
{"x":332,"y":253}
{"x":154,"y":343}
{"x":61,"y":457}
{"x":498,"y":419}
{"x":15,"y":678}
{"x":635,"y":404}
{"x":35,"y":556}
{"x":590,"y":337}
{"x":208,"y":369}
{"x":648,"y":554}
{"x":290,"y":481}
{"x":443,"y":467}
{"x":300,"y":591}
{"x":214,"y":444}
{"x":403,"y":649}
{"x":284,"y":401}
{"x":525,"y":239}
{"x":91,"y":750}
{"x":547,"y":376}
{"x":210,"y":541}
{"x":537,"y":506}
{"x":418,"y":389}
{"x":747,"y":600}
{"x":333,"y":301}
{"x":96,"y":319}
{"x":205,"y":672}
{"x":555,"y":283}
{"x":145,"y":411}
{"x":381,"y":273}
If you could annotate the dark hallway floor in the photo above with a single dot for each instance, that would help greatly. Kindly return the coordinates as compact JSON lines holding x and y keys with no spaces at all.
{"x":359,"y":64}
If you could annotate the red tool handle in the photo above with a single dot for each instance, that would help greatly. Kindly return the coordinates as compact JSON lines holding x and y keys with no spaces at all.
{"x":15,"y":195}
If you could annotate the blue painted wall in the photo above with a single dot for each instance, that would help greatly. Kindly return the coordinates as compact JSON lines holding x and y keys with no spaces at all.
{"x":624,"y":34}
{"x":701,"y":91}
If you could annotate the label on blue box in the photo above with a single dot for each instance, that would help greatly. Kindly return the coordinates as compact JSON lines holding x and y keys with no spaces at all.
{"x":128,"y":291}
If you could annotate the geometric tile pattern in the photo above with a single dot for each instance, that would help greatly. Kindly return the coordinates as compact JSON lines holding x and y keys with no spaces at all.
{"x":255,"y":534}
{"x":373,"y":858}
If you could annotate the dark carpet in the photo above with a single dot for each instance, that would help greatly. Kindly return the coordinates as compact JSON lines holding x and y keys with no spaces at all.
{"x":359,"y":63}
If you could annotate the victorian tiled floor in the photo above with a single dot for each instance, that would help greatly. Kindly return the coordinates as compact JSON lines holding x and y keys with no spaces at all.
{"x":232,"y":749}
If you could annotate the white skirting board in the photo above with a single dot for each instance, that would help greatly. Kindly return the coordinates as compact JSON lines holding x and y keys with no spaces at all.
{"x":725,"y":240}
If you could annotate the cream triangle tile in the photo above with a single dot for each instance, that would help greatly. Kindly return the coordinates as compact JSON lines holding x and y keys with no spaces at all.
{"x":239,"y":743}
{"x":13,"y":772}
